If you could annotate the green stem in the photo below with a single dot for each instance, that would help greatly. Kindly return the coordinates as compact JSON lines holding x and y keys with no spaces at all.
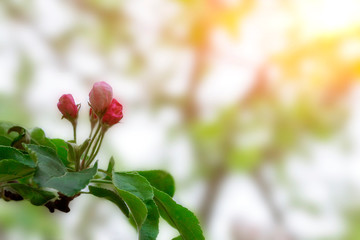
{"x":88,"y":148}
{"x":74,"y":130}
{"x":107,"y":174}
{"x":92,"y":130}
{"x":95,"y":152}
{"x":98,"y":140}
{"x":77,"y":162}
{"x":100,"y":181}
{"x":84,"y":192}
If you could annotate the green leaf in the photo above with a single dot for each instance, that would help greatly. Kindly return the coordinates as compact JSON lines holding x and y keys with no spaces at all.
{"x":177,"y":238}
{"x":61,"y":150}
{"x":150,"y":228}
{"x":179,"y":217}
{"x":72,"y":156}
{"x":5,"y":141}
{"x":161,"y":180}
{"x":138,"y":186}
{"x":12,"y":153}
{"x":48,"y":163}
{"x":134,"y":189}
{"x":38,"y":137}
{"x":111,"y":165}
{"x":111,"y":196}
{"x":36,"y":196}
{"x":4,"y":127}
{"x":109,"y":169}
{"x":52,"y":173}
{"x":11,"y":169}
{"x":136,"y":206}
{"x":134,"y":183}
{"x":71,"y":183}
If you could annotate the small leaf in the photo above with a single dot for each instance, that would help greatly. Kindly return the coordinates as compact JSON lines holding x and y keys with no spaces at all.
{"x":109,"y":169}
{"x":111,"y":165}
{"x":111,"y":196}
{"x":134,"y":183}
{"x":52,"y":173}
{"x":71,"y":151}
{"x":5,"y":141}
{"x":134,"y":189}
{"x":71,"y":183}
{"x":161,"y":180}
{"x":61,"y":150}
{"x":137,"y":185}
{"x":36,"y":196}
{"x":12,"y":153}
{"x":150,"y":228}
{"x":11,"y":169}
{"x":179,"y":217}
{"x":48,"y":163}
{"x":136,"y":206}
{"x":4,"y":128}
{"x":39,"y":138}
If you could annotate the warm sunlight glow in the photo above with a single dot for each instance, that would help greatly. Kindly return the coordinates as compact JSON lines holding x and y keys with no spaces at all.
{"x":323,"y":17}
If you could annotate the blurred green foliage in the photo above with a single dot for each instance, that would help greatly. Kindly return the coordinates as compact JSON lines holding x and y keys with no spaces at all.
{"x":28,"y":221}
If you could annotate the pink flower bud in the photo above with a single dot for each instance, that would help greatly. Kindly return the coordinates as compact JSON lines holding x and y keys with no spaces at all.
{"x":100,"y":97}
{"x":67,"y":107}
{"x":113,"y":114}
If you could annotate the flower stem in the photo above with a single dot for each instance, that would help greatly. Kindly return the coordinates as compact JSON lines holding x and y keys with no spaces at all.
{"x":96,"y":149}
{"x":84,"y":192}
{"x":88,"y":148}
{"x":103,"y":171}
{"x":95,"y":145}
{"x":74,"y":130}
{"x":92,"y":129}
{"x":100,"y":181}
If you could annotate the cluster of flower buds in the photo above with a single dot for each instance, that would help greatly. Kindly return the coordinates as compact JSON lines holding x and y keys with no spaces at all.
{"x":105,"y":107}
{"x":105,"y":111}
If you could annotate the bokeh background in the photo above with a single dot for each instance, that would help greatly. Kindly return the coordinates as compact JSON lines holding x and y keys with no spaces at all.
{"x":252,"y":105}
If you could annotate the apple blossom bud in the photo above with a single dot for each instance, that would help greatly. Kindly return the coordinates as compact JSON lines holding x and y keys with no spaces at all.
{"x":113,"y":114}
{"x":100,"y":97}
{"x":67,"y":107}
